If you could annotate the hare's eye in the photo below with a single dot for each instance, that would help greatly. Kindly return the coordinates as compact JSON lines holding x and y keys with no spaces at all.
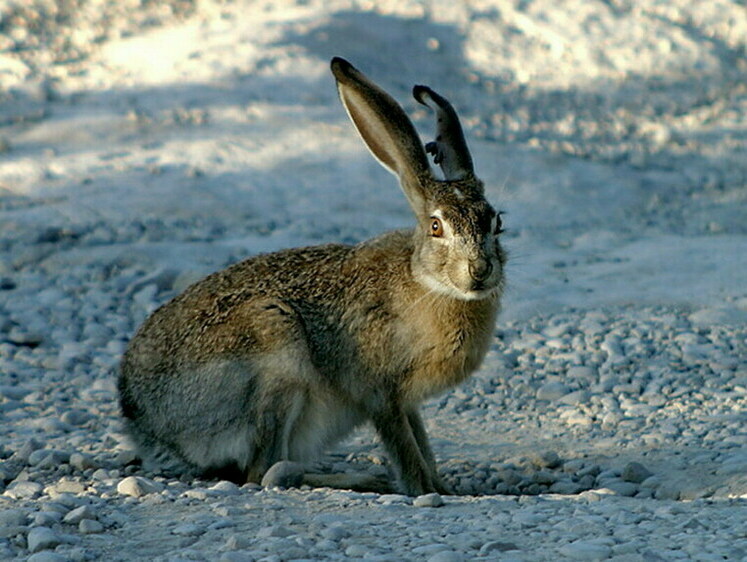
{"x":437,"y":229}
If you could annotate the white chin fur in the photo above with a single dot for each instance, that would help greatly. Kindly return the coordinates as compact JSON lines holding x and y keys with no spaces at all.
{"x":451,"y":291}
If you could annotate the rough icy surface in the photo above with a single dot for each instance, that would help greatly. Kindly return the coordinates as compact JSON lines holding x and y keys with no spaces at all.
{"x":146,"y":144}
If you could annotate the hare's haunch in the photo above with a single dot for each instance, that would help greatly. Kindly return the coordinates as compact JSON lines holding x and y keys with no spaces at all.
{"x":282,"y":355}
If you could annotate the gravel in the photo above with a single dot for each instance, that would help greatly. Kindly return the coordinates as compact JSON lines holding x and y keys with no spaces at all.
{"x":599,"y":427}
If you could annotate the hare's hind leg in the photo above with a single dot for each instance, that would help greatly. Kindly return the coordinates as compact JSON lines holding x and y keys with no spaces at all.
{"x":277,"y":415}
{"x":345,"y":481}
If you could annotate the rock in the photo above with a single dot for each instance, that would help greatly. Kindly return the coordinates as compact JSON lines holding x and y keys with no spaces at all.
{"x":90,"y":526}
{"x":137,"y":486}
{"x":237,"y":542}
{"x":635,"y":472}
{"x":236,"y":557}
{"x":428,"y":500}
{"x":28,"y":447}
{"x":79,"y":514}
{"x":621,"y":488}
{"x":565,"y":487}
{"x":552,"y":391}
{"x":548,"y":459}
{"x":24,"y":489}
{"x":284,"y":474}
{"x":65,"y":487}
{"x":446,"y":556}
{"x":575,"y":397}
{"x":188,"y":530}
{"x":13,"y":517}
{"x":47,"y":556}
{"x":275,"y":531}
{"x":335,"y":533}
{"x":225,"y":487}
{"x":585,"y":550}
{"x":42,"y":538}
{"x":497,"y":546}
{"x":82,"y":462}
{"x":47,"y":518}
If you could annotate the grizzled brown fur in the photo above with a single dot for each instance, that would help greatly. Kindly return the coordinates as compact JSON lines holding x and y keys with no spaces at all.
{"x":282,"y":355}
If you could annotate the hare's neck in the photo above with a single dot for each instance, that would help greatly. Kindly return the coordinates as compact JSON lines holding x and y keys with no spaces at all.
{"x":449,"y":338}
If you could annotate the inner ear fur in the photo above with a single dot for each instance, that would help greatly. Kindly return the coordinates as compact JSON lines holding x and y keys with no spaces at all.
{"x":385,"y":129}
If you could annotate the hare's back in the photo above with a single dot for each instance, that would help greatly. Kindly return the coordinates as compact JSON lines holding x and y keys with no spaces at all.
{"x":233,"y":310}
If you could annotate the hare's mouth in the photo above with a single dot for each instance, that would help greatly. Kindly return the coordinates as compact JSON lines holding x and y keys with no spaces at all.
{"x":478,"y":290}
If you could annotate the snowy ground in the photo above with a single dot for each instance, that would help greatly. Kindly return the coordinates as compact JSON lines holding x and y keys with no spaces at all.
{"x":143,"y":146}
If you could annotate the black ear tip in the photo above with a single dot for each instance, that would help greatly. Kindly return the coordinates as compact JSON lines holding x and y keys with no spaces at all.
{"x":340,"y":66}
{"x":419,"y":92}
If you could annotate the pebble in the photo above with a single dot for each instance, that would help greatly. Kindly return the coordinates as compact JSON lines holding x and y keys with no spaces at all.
{"x":552,"y":391}
{"x":188,"y":530}
{"x":585,"y":550}
{"x":47,"y":556}
{"x":635,"y":472}
{"x":42,"y":538}
{"x":13,"y":517}
{"x":90,"y":526}
{"x":446,"y":556}
{"x":275,"y":531}
{"x":497,"y":546}
{"x":137,"y":486}
{"x":236,"y":557}
{"x":335,"y":533}
{"x":82,"y":462}
{"x":24,"y":489}
{"x":284,"y":474}
{"x":428,"y":500}
{"x":78,"y":514}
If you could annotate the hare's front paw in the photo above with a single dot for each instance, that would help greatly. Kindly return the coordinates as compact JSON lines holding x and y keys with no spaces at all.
{"x":442,"y":487}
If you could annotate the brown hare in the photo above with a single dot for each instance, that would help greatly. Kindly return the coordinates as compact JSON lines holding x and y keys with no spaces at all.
{"x":281,"y":356}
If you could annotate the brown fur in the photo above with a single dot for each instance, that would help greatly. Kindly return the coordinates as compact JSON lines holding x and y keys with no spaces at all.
{"x":281,"y":355}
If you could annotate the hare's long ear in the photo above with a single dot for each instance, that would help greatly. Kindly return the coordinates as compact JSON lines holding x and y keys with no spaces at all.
{"x":449,"y":150}
{"x":385,"y":128}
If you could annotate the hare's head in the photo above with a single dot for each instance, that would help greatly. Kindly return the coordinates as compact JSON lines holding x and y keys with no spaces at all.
{"x":457,"y":251}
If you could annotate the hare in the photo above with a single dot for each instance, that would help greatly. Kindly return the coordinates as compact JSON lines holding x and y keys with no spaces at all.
{"x":282,"y":355}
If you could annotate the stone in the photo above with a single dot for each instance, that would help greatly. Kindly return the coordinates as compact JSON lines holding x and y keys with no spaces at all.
{"x":137,"y":486}
{"x":446,"y":556}
{"x":335,"y":533}
{"x":284,"y":474}
{"x":548,"y":459}
{"x":585,"y":550}
{"x":82,"y":462}
{"x":47,"y":556}
{"x":275,"y":531}
{"x":428,"y":500}
{"x":188,"y":530}
{"x":79,"y":514}
{"x":42,"y":538}
{"x":90,"y":526}
{"x":24,"y":489}
{"x":225,"y":487}
{"x":552,"y":391}
{"x":13,"y":517}
{"x":635,"y":472}
{"x":236,"y":557}
{"x":497,"y":546}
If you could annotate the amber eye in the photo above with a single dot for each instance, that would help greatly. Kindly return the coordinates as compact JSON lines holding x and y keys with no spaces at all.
{"x":437,"y":229}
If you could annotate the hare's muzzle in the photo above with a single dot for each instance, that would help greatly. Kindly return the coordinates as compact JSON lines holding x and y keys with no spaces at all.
{"x":480,"y":269}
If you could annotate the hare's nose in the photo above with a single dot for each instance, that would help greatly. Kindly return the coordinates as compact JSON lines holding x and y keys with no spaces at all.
{"x":480,"y":269}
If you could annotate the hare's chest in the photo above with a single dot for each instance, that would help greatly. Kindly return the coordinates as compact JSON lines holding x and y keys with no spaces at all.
{"x":442,"y":357}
